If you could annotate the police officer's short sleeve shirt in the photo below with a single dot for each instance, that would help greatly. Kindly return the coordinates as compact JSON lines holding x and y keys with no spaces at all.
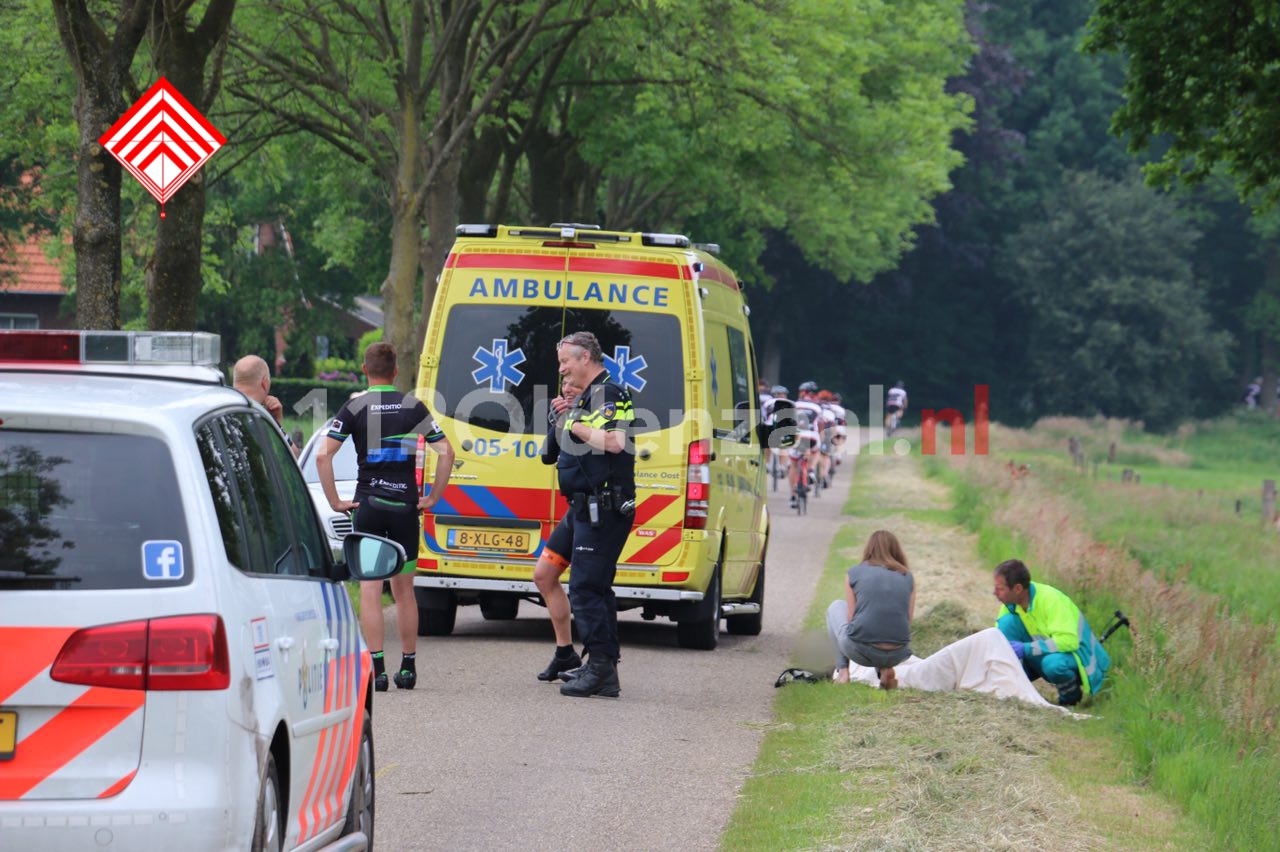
{"x":385,"y":425}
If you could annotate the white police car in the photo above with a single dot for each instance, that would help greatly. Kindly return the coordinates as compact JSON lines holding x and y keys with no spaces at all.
{"x":180,"y":665}
{"x":345,"y":474}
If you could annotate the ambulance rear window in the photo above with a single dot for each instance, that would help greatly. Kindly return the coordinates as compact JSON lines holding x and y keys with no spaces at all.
{"x":498,"y":363}
{"x":83,"y":510}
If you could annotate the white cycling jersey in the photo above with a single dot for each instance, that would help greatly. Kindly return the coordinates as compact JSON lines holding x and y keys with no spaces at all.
{"x":897,"y":396}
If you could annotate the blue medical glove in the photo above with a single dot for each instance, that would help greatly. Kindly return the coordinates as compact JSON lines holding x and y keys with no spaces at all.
{"x":1019,"y":648}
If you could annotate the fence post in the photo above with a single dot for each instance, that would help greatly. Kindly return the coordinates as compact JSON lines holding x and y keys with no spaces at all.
{"x":1127,"y":476}
{"x":1111,"y":453}
{"x":1268,"y":501}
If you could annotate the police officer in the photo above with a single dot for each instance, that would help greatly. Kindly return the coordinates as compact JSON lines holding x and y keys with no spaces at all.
{"x":596,"y":469}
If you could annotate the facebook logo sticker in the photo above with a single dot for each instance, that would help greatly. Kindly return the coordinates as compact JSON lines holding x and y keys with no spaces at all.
{"x":162,"y":560}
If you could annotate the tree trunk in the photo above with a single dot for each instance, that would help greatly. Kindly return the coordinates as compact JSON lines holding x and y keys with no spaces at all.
{"x":441,"y":214}
{"x":101,"y":63}
{"x":182,"y":55}
{"x":1270,"y":334}
{"x":96,"y":236}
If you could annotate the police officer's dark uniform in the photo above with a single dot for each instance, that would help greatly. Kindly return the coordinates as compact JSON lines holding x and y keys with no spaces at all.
{"x":601,"y":488}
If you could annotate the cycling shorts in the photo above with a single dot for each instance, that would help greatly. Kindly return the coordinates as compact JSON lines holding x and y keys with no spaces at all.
{"x":893,"y":408}
{"x":560,"y":544}
{"x":399,"y":522}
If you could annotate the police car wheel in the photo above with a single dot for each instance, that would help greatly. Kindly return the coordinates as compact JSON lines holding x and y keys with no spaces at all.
{"x":268,"y":830}
{"x":360,"y":803}
{"x":703,"y":634}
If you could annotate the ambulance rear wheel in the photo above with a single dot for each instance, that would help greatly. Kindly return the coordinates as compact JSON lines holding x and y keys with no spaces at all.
{"x":703,"y":634}
{"x":437,"y":611}
{"x":499,"y":607}
{"x":268,"y":829}
{"x":752,"y":623}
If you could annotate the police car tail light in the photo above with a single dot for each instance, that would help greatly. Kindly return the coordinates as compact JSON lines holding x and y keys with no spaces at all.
{"x":113,"y":655}
{"x":187,"y":652}
{"x":697,"y":491}
{"x":162,"y":654}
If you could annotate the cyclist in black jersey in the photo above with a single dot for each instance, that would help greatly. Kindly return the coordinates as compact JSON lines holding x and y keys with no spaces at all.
{"x":385,"y":425}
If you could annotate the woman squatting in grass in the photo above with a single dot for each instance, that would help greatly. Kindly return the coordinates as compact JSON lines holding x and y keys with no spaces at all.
{"x":872,"y":625}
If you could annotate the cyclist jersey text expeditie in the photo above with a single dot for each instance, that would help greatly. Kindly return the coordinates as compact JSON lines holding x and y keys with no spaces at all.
{"x":385,"y":425}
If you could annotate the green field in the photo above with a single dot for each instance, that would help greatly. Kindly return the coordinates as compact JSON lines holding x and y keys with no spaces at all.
{"x":1195,"y":690}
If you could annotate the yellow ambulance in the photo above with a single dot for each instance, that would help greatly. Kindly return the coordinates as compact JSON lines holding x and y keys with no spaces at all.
{"x":672,"y":321}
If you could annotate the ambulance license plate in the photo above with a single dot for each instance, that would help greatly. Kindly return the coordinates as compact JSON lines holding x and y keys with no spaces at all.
{"x":494,"y":541}
{"x":8,"y":733}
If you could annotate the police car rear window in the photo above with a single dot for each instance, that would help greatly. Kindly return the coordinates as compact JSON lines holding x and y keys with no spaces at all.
{"x":83,"y":510}
{"x":498,"y":363}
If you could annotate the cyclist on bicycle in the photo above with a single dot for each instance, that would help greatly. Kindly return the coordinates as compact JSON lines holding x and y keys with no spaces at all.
{"x":895,"y":405}
{"x":804,"y":452}
{"x":826,"y":437}
{"x":841,"y":430}
{"x":768,"y":404}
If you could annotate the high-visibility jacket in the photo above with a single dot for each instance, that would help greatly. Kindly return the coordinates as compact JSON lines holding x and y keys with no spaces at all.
{"x":1057,"y":626}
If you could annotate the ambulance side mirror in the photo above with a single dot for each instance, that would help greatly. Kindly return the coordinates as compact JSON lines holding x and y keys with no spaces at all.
{"x":371,"y":557}
{"x":781,"y":433}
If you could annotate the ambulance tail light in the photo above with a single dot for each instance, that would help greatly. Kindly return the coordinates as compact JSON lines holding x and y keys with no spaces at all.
{"x":185,"y":652}
{"x":697,"y":493}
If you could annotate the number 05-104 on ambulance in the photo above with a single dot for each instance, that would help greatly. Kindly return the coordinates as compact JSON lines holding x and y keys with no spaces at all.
{"x":672,"y":322}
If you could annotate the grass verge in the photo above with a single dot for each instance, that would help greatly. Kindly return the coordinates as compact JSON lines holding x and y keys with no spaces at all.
{"x":1195,"y":692}
{"x":847,"y":767}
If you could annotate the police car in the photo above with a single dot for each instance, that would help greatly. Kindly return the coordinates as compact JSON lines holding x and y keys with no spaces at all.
{"x":345,"y":477}
{"x":180,"y":665}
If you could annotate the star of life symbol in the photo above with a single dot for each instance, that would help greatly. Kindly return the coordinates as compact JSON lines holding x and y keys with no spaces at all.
{"x":626,"y":370}
{"x":162,"y":140}
{"x":498,"y":366}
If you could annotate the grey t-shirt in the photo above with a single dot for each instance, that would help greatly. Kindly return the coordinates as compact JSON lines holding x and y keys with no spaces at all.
{"x":880,"y":611}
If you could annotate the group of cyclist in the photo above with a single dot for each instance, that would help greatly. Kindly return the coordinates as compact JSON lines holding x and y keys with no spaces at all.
{"x":822,"y":430}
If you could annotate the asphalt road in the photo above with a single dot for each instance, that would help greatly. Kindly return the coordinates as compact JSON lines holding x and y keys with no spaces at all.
{"x":481,"y":755}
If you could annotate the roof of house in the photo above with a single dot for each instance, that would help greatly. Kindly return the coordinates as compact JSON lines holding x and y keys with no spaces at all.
{"x":24,"y":268}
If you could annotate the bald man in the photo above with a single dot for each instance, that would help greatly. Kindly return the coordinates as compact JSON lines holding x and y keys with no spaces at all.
{"x":252,"y":378}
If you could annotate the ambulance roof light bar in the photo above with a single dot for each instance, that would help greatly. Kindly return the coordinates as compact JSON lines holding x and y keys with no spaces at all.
{"x":476,"y":231}
{"x":673,"y":240}
{"x":137,"y":348}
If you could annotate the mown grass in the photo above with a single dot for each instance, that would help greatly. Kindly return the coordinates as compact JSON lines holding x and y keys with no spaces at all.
{"x":1195,"y":691}
{"x":847,"y":767}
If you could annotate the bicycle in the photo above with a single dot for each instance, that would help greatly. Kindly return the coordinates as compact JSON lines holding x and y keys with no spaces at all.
{"x":777,"y":470}
{"x":800,"y":496}
{"x":891,"y":422}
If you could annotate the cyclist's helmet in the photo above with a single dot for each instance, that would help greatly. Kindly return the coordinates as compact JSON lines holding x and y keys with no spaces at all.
{"x":809,"y":387}
{"x":836,"y":398}
{"x":899,"y":384}
{"x":824,"y":396}
{"x":779,"y":390}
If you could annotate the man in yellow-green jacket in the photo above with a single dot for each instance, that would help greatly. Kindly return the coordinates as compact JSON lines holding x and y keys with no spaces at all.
{"x":1049,"y":634}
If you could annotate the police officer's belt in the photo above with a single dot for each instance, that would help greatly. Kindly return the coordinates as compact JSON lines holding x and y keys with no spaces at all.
{"x":609,"y":499}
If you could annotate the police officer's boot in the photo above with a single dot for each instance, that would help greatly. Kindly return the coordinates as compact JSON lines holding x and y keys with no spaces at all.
{"x":599,"y":677}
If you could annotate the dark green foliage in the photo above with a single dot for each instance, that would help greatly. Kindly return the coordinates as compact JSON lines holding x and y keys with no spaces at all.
{"x":1116,"y":317}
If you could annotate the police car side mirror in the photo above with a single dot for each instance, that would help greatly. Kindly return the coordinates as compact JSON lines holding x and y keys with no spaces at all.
{"x":371,"y":557}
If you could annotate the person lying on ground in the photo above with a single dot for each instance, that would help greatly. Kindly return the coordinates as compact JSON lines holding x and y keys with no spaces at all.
{"x":872,"y":625}
{"x":983,"y":662}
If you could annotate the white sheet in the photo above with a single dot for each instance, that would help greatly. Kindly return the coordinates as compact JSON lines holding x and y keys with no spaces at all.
{"x":983,"y":662}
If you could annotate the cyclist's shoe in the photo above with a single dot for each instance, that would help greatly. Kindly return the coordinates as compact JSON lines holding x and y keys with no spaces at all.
{"x":795,"y":501}
{"x":406,"y":679}
{"x":380,"y":683}
{"x":558,"y":665}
